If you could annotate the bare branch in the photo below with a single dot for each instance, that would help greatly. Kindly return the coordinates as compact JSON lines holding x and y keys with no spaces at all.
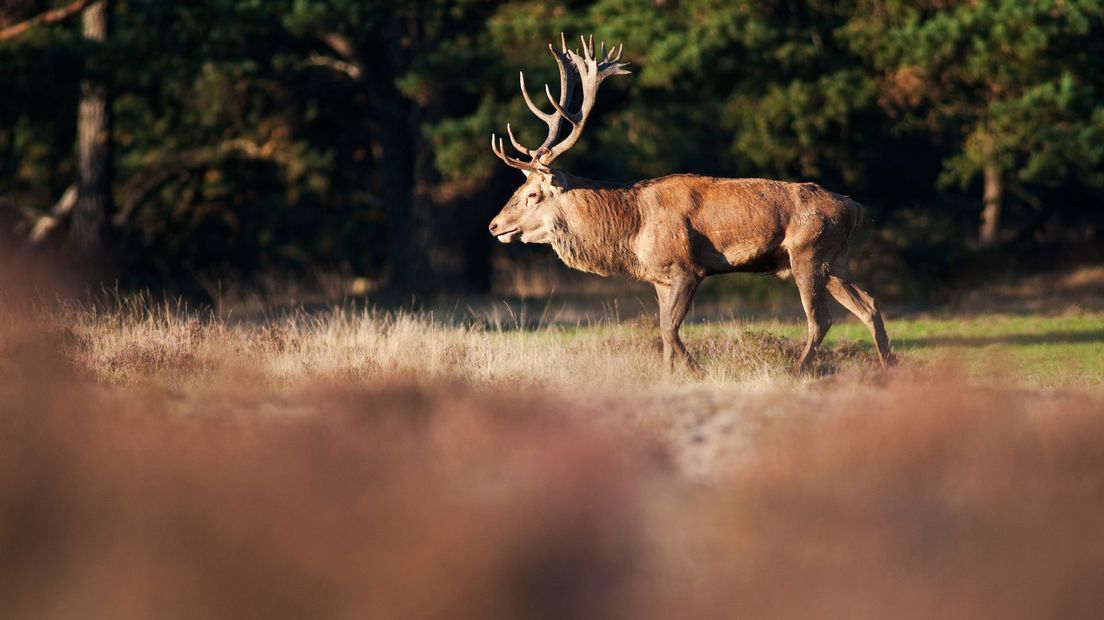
{"x":340,"y":44}
{"x":48,"y":222}
{"x":143,"y":185}
{"x":350,"y":69}
{"x":48,"y":17}
{"x":347,"y":61}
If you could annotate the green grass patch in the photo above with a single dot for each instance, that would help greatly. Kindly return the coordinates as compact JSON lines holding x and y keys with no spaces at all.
{"x":1035,"y":351}
{"x":1042,"y":351}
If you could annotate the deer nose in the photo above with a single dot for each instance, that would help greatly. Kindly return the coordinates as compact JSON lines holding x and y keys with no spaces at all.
{"x":493,"y":227}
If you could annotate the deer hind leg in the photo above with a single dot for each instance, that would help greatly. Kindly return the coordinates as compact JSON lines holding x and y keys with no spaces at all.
{"x":862,"y":305}
{"x":674,"y":302}
{"x":811,"y":278}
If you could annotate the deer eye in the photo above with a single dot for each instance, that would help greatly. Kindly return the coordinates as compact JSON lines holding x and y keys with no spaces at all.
{"x":532,"y":194}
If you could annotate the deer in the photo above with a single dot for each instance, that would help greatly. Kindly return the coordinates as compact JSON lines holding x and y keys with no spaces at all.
{"x":676,"y":230}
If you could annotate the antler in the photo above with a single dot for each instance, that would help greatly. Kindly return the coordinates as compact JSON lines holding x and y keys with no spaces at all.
{"x":587,"y":70}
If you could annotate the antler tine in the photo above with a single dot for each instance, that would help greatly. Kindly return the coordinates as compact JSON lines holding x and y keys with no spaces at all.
{"x":567,"y":91}
{"x":567,"y":79}
{"x":529,"y":102}
{"x":615,"y":53}
{"x":496,"y":148}
{"x":586,"y":71}
{"x":513,"y":140}
{"x":499,"y":150}
{"x":592,"y":70}
{"x":612,"y":64}
{"x":571,"y":118}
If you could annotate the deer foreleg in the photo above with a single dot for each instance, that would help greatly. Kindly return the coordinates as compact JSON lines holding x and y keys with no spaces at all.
{"x":812,"y":285}
{"x":674,"y":302}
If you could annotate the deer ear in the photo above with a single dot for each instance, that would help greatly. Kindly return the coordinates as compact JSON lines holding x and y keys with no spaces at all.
{"x":559,"y":179}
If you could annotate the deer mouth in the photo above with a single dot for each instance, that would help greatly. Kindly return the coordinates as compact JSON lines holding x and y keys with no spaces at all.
{"x":508,"y":236}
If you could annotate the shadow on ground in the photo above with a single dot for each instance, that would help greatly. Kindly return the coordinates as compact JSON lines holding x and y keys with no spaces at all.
{"x":1053,"y":337}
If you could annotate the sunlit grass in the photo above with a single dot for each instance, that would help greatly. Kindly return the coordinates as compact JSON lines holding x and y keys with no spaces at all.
{"x":172,"y":345}
{"x":1038,"y":351}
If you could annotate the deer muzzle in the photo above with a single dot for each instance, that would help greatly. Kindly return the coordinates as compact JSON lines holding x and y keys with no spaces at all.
{"x":503,"y":234}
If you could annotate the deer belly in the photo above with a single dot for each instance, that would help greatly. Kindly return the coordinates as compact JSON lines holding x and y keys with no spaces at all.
{"x":754,"y":260}
{"x":729,"y":255}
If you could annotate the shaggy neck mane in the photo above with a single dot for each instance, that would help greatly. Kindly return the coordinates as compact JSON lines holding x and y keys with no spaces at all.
{"x":597,"y":227}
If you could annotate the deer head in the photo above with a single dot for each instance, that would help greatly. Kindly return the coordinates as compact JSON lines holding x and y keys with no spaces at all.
{"x":531,"y":213}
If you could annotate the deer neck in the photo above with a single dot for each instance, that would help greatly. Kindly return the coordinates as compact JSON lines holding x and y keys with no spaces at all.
{"x":596,"y":228}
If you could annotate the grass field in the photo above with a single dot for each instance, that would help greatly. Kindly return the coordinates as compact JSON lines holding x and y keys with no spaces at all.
{"x":1063,"y":351}
{"x":159,"y":462}
{"x":160,"y":343}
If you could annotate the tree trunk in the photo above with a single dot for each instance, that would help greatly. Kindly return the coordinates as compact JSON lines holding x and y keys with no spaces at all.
{"x":88,"y":227}
{"x":993,"y":199}
{"x":397,"y":192}
{"x":425,"y":252}
{"x":396,"y":147}
{"x":410,"y":244}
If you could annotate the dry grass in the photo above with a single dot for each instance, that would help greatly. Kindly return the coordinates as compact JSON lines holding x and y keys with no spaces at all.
{"x":168,"y":345}
{"x":161,"y":463}
{"x":394,"y":501}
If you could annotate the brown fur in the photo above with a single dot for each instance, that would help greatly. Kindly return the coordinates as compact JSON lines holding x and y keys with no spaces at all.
{"x":676,"y":230}
{"x":596,"y":228}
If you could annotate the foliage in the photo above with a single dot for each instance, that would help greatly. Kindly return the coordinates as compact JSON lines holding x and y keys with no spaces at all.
{"x":1021,"y":78}
{"x":284,"y":136}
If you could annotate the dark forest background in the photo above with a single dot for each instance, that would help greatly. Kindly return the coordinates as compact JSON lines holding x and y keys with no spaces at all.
{"x":169,"y":145}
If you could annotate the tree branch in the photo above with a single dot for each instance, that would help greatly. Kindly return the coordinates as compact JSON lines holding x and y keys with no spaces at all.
{"x":147,"y":187}
{"x":350,"y":63}
{"x":145,"y":184}
{"x":46,"y":223}
{"x":1031,"y":199}
{"x":1042,"y":211}
{"x":340,"y":44}
{"x":348,"y":68}
{"x":49,"y":17}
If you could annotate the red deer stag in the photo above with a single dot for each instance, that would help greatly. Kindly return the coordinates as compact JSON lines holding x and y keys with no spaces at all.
{"x":676,"y":230}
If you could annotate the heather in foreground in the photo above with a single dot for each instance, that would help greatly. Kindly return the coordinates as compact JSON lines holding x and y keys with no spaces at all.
{"x":907,"y":494}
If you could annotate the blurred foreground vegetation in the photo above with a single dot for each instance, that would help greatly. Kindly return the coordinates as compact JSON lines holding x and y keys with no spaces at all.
{"x":243,"y":140}
{"x":154,"y":465}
